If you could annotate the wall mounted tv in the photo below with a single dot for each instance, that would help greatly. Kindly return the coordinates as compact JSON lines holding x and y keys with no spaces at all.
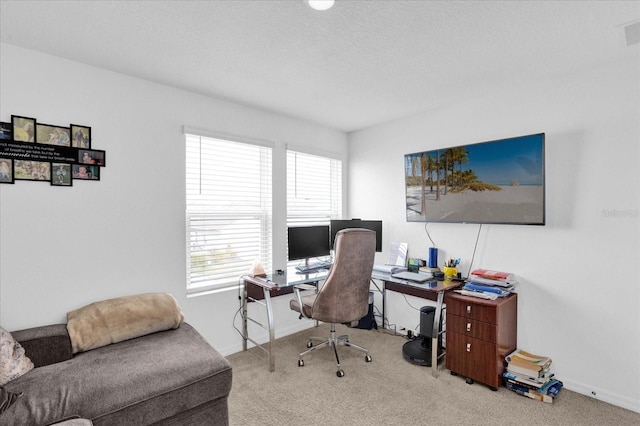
{"x":495,"y":182}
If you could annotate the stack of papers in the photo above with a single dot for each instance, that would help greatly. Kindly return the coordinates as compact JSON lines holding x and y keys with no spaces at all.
{"x":488,"y":284}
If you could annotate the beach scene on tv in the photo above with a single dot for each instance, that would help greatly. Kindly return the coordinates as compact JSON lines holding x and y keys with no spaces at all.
{"x":491,"y":182}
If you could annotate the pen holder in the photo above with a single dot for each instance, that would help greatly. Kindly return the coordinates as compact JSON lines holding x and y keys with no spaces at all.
{"x":449,"y":272}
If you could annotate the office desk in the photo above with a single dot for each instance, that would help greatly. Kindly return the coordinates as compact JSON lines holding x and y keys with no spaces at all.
{"x":261,"y":290}
{"x":434,"y":290}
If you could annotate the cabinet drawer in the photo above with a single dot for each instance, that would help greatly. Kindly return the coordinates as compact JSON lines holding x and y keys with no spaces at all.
{"x":472,"y":308}
{"x":473,"y":358}
{"x":471,"y":328}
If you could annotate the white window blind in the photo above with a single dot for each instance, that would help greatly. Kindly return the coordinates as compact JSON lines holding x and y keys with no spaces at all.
{"x":314,"y":189}
{"x":228,"y":210}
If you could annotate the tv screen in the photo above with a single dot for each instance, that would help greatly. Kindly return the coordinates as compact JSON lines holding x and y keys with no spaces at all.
{"x":305,"y":242}
{"x":374,"y":225}
{"x":495,"y":182}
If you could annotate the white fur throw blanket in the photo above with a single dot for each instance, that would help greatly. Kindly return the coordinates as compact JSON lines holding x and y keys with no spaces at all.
{"x":114,"y":320}
{"x":13,"y":361}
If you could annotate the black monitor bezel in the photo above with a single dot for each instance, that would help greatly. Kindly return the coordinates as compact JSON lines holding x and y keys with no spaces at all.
{"x":307,"y":242}
{"x":374,"y":225}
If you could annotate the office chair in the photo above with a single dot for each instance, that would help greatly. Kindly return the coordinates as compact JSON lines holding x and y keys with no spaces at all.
{"x":344,"y":296}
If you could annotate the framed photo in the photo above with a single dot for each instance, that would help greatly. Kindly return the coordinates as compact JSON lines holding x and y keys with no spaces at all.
{"x":85,"y":172}
{"x":6,"y":131}
{"x":23,"y":128}
{"x":6,"y":170}
{"x":52,"y":135}
{"x":80,"y":136}
{"x":61,"y":174}
{"x":91,"y":156}
{"x":32,"y":170}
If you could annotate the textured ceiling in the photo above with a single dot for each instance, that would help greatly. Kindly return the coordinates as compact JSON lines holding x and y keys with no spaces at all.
{"x":357,"y":65}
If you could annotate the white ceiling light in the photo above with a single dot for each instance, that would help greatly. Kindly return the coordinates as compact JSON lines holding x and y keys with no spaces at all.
{"x":320,"y":4}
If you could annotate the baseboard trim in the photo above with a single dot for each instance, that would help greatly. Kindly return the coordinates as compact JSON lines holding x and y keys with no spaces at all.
{"x":602,"y":395}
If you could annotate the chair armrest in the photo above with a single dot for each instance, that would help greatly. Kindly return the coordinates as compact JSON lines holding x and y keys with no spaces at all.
{"x":45,"y":345}
{"x":298,"y":289}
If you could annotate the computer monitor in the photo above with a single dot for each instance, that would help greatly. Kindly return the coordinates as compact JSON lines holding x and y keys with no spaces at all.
{"x":374,"y":225}
{"x":305,"y":242}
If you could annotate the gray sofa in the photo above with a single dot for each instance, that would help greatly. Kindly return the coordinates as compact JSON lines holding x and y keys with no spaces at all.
{"x":171,"y":377}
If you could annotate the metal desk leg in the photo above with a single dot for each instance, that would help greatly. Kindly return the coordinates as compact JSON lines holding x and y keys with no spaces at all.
{"x":272,"y":331}
{"x":384,"y":306}
{"x":435,"y":334}
{"x":245,"y":333}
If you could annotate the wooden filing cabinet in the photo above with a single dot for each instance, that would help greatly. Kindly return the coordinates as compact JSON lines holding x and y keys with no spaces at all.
{"x":480,"y":333}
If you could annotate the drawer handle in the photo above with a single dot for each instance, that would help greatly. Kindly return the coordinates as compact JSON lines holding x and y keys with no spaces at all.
{"x":468,"y":347}
{"x":468,"y":326}
{"x":468,"y":309}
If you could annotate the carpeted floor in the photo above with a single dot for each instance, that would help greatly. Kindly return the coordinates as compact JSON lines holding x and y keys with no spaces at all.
{"x":387,"y":391}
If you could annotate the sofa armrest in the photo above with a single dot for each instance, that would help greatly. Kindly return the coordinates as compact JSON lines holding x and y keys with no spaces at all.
{"x":46,"y":344}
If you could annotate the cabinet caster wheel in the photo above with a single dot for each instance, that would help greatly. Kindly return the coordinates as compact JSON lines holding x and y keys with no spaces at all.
{"x":300,"y":363}
{"x":309,"y":344}
{"x":453,"y":373}
{"x":340,"y":373}
{"x":493,"y":388}
{"x":368,"y":358}
{"x":470,"y":381}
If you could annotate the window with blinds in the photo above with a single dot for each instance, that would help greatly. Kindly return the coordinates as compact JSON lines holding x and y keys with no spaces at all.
{"x":314,"y":189}
{"x":228,"y":210}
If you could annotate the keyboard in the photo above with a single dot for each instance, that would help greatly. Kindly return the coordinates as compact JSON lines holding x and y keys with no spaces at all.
{"x":312,"y":267}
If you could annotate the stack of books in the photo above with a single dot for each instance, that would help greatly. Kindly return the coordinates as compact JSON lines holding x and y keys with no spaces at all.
{"x":528,"y":374}
{"x":488,"y":284}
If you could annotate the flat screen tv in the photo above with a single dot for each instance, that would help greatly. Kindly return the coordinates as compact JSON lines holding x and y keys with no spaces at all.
{"x":494,"y":182}
{"x":305,"y":242}
{"x":375,"y":225}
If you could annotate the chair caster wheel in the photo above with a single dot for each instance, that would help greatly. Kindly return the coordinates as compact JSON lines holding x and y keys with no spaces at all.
{"x":309,"y":344}
{"x":368,"y":358}
{"x":300,"y":363}
{"x":340,"y":373}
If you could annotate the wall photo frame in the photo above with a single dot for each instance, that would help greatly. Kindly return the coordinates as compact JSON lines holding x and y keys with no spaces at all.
{"x":91,"y":156}
{"x":61,"y":174}
{"x":23,"y":128}
{"x":85,"y":172}
{"x":80,"y":136}
{"x":6,"y":170}
{"x":32,"y":170}
{"x":52,"y":135}
{"x":6,"y":131}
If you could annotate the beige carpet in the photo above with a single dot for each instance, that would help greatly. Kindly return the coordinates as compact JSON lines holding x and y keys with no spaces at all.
{"x":387,"y":391}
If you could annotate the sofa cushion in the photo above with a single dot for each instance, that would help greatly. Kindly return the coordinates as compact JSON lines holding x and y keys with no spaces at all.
{"x":115,"y":320}
{"x":13,"y":361}
{"x":135,"y":382}
{"x":46,"y":344}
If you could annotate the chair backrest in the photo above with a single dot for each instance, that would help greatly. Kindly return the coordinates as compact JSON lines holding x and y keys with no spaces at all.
{"x":344,"y":296}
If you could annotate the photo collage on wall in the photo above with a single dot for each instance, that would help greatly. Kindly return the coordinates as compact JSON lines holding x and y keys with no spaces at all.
{"x":47,"y":153}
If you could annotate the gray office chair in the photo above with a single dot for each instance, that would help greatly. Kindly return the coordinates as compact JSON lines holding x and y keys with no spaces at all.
{"x":344,"y":296}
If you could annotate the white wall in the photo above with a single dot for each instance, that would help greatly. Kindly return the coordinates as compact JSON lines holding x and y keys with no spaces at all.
{"x":579,"y":298}
{"x":61,"y":248}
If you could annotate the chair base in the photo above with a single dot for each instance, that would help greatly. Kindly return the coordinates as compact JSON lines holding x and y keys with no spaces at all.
{"x":333,"y":341}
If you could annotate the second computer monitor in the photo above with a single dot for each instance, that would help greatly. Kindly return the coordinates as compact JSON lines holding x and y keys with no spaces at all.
{"x":305,"y":242}
{"x":374,"y":225}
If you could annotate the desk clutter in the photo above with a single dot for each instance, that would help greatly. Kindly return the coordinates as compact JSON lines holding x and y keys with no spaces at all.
{"x":487,"y":284}
{"x":529,"y":375}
